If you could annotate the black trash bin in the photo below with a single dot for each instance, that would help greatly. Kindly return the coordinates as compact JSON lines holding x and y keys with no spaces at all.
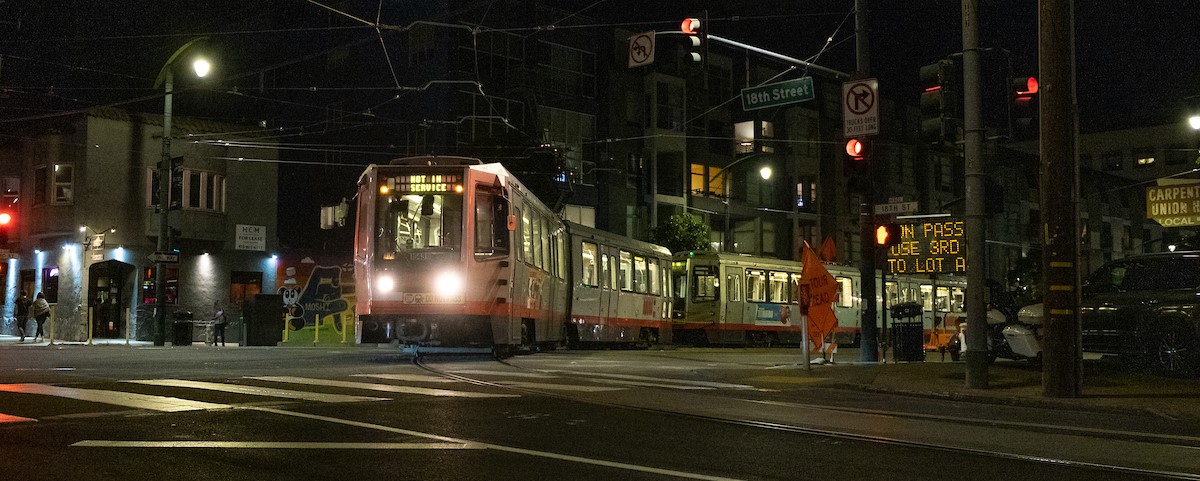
{"x":182,"y":327}
{"x":908,"y":332}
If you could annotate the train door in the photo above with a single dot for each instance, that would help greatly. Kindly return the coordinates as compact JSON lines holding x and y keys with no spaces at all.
{"x":588,"y":295}
{"x":611,"y":293}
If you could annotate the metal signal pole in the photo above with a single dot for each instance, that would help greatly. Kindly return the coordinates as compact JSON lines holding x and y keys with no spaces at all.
{"x":869,"y":351}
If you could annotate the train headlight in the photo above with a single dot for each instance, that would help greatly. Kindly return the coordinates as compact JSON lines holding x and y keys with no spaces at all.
{"x":448,"y":284}
{"x":385,"y":283}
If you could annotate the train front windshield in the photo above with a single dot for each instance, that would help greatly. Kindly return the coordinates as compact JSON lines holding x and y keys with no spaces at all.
{"x":419,"y":212}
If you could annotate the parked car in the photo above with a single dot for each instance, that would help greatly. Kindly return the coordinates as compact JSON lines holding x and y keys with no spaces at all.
{"x":1146,"y":308}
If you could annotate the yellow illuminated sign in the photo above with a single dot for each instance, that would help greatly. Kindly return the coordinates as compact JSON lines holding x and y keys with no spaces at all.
{"x":423,"y":183}
{"x":933,"y":247}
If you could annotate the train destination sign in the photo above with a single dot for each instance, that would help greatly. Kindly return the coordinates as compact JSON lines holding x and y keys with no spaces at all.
{"x":936,"y":246}
{"x":418,"y":183}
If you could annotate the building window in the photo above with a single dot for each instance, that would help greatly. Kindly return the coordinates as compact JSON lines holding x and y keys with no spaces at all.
{"x":64,"y":183}
{"x":150,"y":286}
{"x":11,"y":191}
{"x":1111,"y":160}
{"x":1143,"y":158}
{"x":50,"y":284}
{"x":243,"y":286}
{"x":201,"y":190}
{"x":1178,"y":154}
{"x":669,"y":108}
{"x":39,"y":186}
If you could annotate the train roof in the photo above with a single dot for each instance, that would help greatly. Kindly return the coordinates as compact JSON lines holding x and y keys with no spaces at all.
{"x":614,"y":239}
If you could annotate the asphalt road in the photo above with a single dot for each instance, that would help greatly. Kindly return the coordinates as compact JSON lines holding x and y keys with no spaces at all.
{"x":284,"y":413}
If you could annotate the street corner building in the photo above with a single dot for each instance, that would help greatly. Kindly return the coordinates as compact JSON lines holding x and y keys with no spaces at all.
{"x":83,"y":191}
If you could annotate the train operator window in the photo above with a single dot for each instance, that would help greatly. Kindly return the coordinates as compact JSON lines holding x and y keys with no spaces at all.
{"x":410,"y":221}
{"x":705,"y":283}
{"x":491,"y":222}
{"x":756,"y":286}
{"x":626,"y":271}
{"x":590,"y":276}
{"x":639,"y":274}
{"x":845,"y":292}
{"x":779,"y":287}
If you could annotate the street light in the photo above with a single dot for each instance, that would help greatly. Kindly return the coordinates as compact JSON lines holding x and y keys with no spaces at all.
{"x":764,"y":172}
{"x":166,"y":77}
{"x":1194,"y":122}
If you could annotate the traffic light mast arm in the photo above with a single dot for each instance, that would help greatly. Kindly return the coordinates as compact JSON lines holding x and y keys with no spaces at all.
{"x":839,"y":75}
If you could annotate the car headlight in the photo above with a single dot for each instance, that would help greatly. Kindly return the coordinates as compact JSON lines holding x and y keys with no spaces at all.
{"x":385,"y":283}
{"x":448,"y":284}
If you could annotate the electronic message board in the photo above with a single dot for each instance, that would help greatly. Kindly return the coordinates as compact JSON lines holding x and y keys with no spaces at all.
{"x":936,"y":246}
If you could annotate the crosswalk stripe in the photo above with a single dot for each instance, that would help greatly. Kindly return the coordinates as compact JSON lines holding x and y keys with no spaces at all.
{"x":720,"y":385}
{"x":651,"y":384}
{"x":409,"y":377}
{"x":269,"y":445}
{"x":559,"y":387}
{"x":256,"y":390}
{"x":534,"y":375}
{"x":133,"y":400}
{"x":8,"y":418}
{"x":381,"y":387}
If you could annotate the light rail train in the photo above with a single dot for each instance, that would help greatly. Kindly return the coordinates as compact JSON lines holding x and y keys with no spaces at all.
{"x":451,"y":252}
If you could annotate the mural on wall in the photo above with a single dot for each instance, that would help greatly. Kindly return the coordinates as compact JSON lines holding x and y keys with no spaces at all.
{"x":317,"y":292}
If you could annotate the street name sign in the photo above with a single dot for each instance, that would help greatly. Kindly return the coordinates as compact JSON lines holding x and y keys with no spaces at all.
{"x":860,"y":107}
{"x":929,"y":247}
{"x":1176,"y":205}
{"x":896,"y":208}
{"x":164,"y":257}
{"x":776,"y":94}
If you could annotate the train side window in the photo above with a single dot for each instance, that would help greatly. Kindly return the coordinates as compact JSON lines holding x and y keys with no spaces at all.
{"x":588,"y":257}
{"x":778,"y":287}
{"x":639,"y":274}
{"x":793,"y":287}
{"x":491,"y":222}
{"x":756,"y":285}
{"x":893,"y":293}
{"x":958,"y":301}
{"x":705,"y":283}
{"x":652,"y":275}
{"x":626,"y":271}
{"x":604,"y":270}
{"x":562,"y":255}
{"x":845,"y":292}
{"x":612,"y":272}
{"x":943,"y":299}
{"x":927,"y":297}
{"x":523,"y":233}
{"x":544,"y":242}
{"x":733,"y":287}
{"x":536,"y":242}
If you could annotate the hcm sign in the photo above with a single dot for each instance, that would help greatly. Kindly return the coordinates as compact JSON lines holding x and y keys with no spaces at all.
{"x":930,"y":247}
{"x":1175,"y":205}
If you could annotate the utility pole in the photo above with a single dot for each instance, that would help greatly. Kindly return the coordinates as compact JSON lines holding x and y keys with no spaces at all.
{"x":1062,"y":374}
{"x":976,"y":356}
{"x":869,"y":351}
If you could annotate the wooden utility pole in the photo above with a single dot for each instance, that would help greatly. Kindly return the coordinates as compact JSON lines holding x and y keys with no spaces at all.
{"x":1062,"y":374}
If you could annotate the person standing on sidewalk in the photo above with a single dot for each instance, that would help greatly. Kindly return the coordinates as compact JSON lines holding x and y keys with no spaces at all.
{"x":219,"y":322}
{"x":23,"y":304}
{"x":41,"y":312}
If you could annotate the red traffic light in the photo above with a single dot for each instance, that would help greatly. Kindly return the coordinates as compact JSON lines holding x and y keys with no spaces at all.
{"x":855,"y":148}
{"x":5,"y":218}
{"x":1025,"y":85}
{"x":690,"y":26}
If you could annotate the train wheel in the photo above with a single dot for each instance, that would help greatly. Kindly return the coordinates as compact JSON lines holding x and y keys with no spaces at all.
{"x":645,"y":339}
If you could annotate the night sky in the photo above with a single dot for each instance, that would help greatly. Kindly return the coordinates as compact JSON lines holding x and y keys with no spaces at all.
{"x":1136,"y":60}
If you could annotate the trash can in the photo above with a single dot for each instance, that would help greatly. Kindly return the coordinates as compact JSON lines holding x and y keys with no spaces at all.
{"x":908,"y":332}
{"x":182,"y":326}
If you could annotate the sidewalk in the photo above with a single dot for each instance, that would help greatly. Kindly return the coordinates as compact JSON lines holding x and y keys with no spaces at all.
{"x":1108,"y":385}
{"x":15,"y":341}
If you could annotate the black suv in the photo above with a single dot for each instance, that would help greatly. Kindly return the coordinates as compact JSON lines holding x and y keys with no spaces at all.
{"x":1146,"y":308}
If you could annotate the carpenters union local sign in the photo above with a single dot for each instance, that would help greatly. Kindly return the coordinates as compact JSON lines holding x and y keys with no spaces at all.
{"x":781,"y":93}
{"x":1175,"y":205}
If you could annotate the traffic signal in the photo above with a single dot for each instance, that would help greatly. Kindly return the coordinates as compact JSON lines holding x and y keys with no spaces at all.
{"x":887,"y":235}
{"x":856,"y":149}
{"x":941,"y":101}
{"x":695,"y":38}
{"x":1023,"y":108}
{"x":6,"y":225}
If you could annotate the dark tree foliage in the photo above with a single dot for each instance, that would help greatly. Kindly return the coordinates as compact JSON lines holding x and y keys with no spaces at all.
{"x":682,"y":232}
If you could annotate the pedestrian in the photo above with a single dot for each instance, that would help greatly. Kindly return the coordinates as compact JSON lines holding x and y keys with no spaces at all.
{"x":219,"y":321}
{"x":23,"y":304}
{"x":41,"y":312}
